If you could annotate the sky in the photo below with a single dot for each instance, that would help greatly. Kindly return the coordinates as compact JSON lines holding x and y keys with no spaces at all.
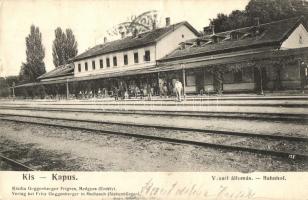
{"x":90,"y":20}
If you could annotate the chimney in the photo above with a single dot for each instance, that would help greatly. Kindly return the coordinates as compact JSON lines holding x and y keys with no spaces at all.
{"x":105,"y":39}
{"x":154,"y":25}
{"x":135,"y":32}
{"x":122,"y":35}
{"x":205,"y":29}
{"x":257,"y":31}
{"x":167,"y":21}
{"x":213,"y":29}
{"x":257,"y":21}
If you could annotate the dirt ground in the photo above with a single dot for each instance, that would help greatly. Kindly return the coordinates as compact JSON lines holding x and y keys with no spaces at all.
{"x":50,"y":148}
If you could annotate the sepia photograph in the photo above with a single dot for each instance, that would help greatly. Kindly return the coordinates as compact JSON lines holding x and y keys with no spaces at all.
{"x":154,"y":86}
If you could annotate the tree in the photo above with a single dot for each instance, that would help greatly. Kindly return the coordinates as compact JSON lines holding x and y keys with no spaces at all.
{"x":64,"y":47}
{"x":220,"y":23}
{"x":35,"y":54}
{"x":141,"y":23}
{"x":271,"y":10}
{"x":4,"y":87}
{"x":264,"y":10}
{"x":238,"y":19}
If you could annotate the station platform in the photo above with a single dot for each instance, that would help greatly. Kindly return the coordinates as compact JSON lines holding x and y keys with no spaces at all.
{"x":276,"y":104}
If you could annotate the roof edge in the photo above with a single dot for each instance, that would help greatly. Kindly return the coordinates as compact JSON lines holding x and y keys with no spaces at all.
{"x":61,"y":75}
{"x":299,"y":21}
{"x":218,"y":51}
{"x":188,"y":25}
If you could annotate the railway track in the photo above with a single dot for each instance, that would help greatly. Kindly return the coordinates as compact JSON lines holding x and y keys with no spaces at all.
{"x":193,"y":98}
{"x":262,"y":139}
{"x":298,"y":118}
{"x":15,"y":165}
{"x":204,"y":103}
{"x":140,"y":125}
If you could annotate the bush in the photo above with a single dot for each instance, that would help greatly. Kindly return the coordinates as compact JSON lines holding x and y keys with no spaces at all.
{"x":5,"y":92}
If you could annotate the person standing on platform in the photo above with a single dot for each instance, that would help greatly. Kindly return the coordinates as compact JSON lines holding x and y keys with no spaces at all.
{"x":136,"y":91}
{"x":149,"y":92}
{"x":170,"y":89}
{"x":178,"y":89}
{"x":116,"y":93}
{"x":121,"y":90}
{"x":165,"y":89}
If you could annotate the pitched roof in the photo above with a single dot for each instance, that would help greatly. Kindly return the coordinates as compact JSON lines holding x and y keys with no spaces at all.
{"x":270,"y":34}
{"x":142,"y":39}
{"x":62,"y":70}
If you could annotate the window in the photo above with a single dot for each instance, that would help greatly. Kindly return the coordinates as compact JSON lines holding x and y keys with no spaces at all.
{"x":93,"y":64}
{"x":115,"y":61}
{"x":238,"y":76}
{"x":101,"y":63}
{"x":136,"y":59}
{"x":125,"y":59}
{"x":300,"y":39}
{"x":79,"y":67}
{"x":107,"y":62}
{"x":147,"y":56}
{"x":190,"y":80}
{"x":86,"y":66}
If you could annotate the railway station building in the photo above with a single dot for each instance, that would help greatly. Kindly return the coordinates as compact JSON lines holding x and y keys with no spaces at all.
{"x":131,"y":61}
{"x":271,"y":57}
{"x":128,"y":62}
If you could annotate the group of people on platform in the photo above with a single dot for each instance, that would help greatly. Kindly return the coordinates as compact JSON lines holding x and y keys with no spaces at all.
{"x":169,"y":89}
{"x":124,"y":92}
{"x":144,"y":91}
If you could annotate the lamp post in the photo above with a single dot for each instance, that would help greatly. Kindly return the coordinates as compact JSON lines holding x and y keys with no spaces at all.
{"x":304,"y":74}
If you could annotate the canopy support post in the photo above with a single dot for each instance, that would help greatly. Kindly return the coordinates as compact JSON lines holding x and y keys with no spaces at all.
{"x":184,"y":83}
{"x":67,"y":90}
{"x":261,"y":81}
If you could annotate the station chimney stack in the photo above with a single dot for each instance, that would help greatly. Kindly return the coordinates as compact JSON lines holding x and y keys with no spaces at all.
{"x":167,"y":21}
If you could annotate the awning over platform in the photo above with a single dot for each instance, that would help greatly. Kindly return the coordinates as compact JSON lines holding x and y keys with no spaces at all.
{"x":145,"y":70}
{"x":230,"y":58}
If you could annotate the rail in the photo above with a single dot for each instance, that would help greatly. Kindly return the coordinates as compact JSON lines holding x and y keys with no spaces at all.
{"x":289,"y":155}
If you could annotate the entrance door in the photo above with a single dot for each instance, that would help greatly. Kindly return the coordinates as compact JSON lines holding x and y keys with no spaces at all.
{"x":199,"y":81}
{"x":218,"y":82}
{"x":260,"y":77}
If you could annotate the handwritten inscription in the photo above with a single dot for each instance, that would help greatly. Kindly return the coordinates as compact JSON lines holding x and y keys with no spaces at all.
{"x":192,"y":191}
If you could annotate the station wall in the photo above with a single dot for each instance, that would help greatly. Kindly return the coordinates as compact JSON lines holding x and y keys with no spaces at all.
{"x":172,"y":41}
{"x":120,"y":62}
